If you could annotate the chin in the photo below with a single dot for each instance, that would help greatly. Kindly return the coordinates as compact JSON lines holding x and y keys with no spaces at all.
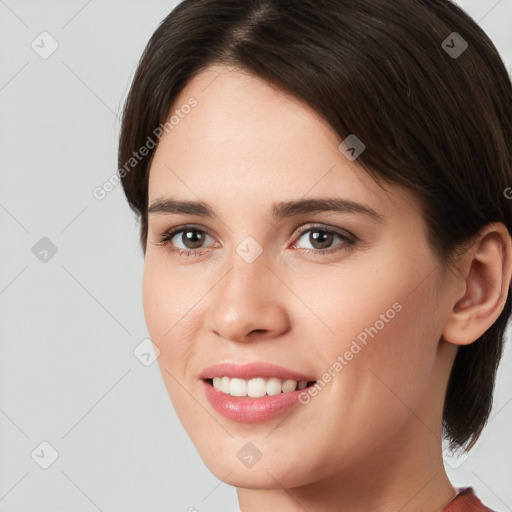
{"x":273,"y":472}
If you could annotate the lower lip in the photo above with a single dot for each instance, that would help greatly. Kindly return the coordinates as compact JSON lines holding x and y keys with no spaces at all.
{"x":250,"y":410}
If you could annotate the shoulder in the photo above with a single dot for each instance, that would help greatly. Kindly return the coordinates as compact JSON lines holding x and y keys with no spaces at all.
{"x":466,"y":501}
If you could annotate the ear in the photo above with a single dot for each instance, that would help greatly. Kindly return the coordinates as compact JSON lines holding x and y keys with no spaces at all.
{"x":485,"y":279}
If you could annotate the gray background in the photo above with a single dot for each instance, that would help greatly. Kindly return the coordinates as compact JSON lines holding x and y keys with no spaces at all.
{"x":69,"y":325}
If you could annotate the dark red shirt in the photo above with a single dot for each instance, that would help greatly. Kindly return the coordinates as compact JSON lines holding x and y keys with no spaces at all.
{"x":466,"y":501}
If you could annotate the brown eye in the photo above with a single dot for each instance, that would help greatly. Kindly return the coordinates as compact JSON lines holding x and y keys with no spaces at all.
{"x":321,"y":240}
{"x":185,"y":240}
{"x":192,"y":238}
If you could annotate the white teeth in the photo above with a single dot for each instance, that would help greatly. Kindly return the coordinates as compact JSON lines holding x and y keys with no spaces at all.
{"x":274,"y":386}
{"x":224,"y":386}
{"x":289,"y":386}
{"x":257,"y":387}
{"x":238,"y":387}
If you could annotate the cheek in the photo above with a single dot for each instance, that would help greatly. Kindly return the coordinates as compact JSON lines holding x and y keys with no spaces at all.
{"x":361,"y":303}
{"x":154,"y":288}
{"x":384,"y":325}
{"x":166,"y":298}
{"x":390,"y":352}
{"x":171,"y":314}
{"x":166,"y":302}
{"x":162,"y":296}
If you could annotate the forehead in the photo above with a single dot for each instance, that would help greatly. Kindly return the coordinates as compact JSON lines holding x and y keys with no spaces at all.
{"x":248,"y":140}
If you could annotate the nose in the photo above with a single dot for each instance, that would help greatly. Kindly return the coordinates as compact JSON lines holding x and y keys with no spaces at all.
{"x":249,"y":302}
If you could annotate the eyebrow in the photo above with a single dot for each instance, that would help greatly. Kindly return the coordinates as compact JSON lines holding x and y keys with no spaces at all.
{"x":278,"y":211}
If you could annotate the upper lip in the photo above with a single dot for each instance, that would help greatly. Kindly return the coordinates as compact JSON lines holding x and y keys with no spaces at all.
{"x":252,"y":370}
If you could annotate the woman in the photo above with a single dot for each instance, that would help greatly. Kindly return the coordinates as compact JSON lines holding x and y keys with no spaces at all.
{"x":321,"y":187}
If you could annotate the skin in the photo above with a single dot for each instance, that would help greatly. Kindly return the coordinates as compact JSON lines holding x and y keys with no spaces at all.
{"x":371,"y":438}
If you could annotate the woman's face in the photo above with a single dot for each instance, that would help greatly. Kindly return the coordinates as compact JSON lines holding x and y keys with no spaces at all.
{"x":340,"y":293}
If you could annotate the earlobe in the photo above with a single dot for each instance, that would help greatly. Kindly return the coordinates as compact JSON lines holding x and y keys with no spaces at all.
{"x":487,"y":269}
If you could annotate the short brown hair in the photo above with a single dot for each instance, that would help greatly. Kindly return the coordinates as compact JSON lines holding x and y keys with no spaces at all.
{"x":436,"y":122}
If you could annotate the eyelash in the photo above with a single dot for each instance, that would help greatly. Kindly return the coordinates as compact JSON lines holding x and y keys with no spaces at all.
{"x":348,"y":241}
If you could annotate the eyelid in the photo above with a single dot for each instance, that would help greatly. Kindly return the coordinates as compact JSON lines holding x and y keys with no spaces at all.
{"x":324,"y":227}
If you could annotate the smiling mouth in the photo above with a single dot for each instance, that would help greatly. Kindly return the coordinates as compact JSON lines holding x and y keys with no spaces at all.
{"x":257,"y":387}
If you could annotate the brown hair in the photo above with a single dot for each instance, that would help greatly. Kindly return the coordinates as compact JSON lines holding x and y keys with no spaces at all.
{"x":435,"y":122}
